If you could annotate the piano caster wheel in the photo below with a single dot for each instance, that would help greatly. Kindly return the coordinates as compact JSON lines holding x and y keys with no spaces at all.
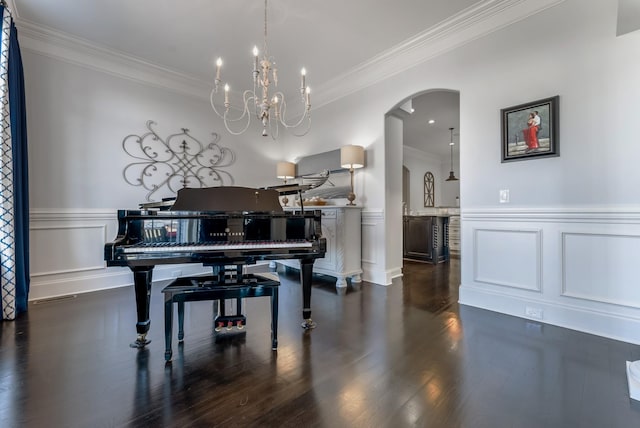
{"x":140,"y":342}
{"x":308,"y":324}
{"x":181,"y":337}
{"x":229,"y":325}
{"x":219,"y":326}
{"x":239,"y":325}
{"x":167,"y":355}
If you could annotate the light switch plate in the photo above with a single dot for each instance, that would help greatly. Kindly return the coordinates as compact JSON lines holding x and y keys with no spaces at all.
{"x":504,"y":196}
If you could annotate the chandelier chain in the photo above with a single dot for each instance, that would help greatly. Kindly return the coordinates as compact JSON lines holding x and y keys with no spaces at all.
{"x":265,"y":29}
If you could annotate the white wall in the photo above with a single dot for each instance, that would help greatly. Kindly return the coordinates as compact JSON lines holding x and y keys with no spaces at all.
{"x":77,"y":119}
{"x":566,"y":244}
{"x":418,"y":163}
{"x":393,"y":203}
{"x":567,"y":241}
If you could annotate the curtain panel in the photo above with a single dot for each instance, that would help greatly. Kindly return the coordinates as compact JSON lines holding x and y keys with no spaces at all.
{"x":14,"y":185}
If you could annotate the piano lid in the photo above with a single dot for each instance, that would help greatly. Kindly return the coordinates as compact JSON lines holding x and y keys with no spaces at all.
{"x":227,"y":198}
{"x":163,"y":205}
{"x":290,"y":189}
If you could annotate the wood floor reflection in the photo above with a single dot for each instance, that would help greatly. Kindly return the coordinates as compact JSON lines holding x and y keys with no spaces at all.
{"x":398,"y":356}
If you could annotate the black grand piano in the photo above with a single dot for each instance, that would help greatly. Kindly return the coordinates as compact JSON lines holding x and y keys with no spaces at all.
{"x":216,"y":226}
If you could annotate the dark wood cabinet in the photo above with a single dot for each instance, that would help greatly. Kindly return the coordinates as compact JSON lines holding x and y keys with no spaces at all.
{"x":425,"y":238}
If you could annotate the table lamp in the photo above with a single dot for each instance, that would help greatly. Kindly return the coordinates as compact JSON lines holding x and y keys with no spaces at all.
{"x":352,"y":157}
{"x":285,"y":171}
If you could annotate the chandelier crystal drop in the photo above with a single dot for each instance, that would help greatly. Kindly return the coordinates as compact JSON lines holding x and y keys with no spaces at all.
{"x":268,"y":109}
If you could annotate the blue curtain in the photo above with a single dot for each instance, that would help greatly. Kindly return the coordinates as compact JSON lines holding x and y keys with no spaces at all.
{"x":14,"y":185}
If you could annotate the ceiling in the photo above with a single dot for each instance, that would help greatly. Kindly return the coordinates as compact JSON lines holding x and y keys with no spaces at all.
{"x":327,"y":37}
{"x":443,"y":107}
{"x":330,"y":38}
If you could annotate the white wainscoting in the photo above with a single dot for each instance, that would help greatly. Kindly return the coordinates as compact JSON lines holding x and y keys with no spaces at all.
{"x":572,"y":267}
{"x":373,"y":249}
{"x":67,"y":254}
{"x":75,"y":240}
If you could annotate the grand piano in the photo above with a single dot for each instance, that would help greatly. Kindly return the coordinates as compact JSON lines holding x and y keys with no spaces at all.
{"x":216,"y":226}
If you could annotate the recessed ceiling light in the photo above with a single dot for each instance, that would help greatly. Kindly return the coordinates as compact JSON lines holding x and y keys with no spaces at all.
{"x":432,"y":121}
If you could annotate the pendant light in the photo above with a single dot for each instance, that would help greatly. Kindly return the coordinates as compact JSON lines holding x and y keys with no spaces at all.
{"x":452,"y":176}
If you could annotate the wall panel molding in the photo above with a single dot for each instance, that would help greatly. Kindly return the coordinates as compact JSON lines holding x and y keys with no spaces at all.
{"x":372,"y":228}
{"x":369,"y":237}
{"x":508,"y":257}
{"x":372,"y":214}
{"x":601,"y":267}
{"x":63,"y":245}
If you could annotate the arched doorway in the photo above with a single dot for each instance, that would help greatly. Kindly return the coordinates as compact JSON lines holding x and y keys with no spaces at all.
{"x":419,"y":127}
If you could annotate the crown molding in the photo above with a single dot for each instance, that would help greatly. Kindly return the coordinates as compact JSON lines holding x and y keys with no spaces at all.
{"x":466,"y":26}
{"x":470,"y":24}
{"x":54,"y":44}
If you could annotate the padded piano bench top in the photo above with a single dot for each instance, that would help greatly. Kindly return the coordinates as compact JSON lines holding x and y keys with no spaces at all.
{"x":208,"y":288}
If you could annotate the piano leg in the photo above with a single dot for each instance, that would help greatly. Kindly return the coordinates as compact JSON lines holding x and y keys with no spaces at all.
{"x":142,"y":284}
{"x":274,"y":318}
{"x":306,"y":276}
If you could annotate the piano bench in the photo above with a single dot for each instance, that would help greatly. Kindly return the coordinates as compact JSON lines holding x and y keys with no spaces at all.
{"x":191,"y":289}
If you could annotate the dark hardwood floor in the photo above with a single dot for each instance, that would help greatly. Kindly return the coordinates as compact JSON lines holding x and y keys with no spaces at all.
{"x":399,"y":356}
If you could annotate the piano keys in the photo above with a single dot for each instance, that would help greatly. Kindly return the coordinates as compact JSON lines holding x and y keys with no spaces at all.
{"x":216,"y":227}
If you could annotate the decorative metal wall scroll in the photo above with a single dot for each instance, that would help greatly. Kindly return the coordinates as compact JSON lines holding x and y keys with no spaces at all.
{"x":178,"y":161}
{"x":429,"y":190}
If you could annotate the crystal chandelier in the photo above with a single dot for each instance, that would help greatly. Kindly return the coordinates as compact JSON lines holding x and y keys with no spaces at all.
{"x":269,"y":109}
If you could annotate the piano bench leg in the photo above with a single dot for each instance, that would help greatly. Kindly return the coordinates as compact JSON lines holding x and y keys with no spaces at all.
{"x":274,"y":318}
{"x":140,"y":342}
{"x":180,"y":321}
{"x":215,"y":308}
{"x":168,"y":328}
{"x":308,"y":324}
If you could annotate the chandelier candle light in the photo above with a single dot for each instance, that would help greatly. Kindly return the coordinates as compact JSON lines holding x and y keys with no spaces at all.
{"x":285,"y":171}
{"x":352,"y":157}
{"x":269,"y":109}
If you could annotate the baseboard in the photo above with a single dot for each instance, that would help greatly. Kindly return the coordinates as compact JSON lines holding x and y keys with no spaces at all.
{"x":380,"y":277}
{"x":51,"y":287}
{"x":597,"y":322}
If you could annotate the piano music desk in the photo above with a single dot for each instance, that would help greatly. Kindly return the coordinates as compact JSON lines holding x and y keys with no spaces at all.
{"x":191,"y":289}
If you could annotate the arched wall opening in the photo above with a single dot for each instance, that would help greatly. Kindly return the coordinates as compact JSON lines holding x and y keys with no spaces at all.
{"x":417,"y":138}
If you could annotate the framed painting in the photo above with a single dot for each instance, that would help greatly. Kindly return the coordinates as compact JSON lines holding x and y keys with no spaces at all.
{"x":530,"y":130}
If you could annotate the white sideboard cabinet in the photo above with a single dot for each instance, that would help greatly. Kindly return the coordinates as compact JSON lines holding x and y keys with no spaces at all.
{"x":341,"y":226}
